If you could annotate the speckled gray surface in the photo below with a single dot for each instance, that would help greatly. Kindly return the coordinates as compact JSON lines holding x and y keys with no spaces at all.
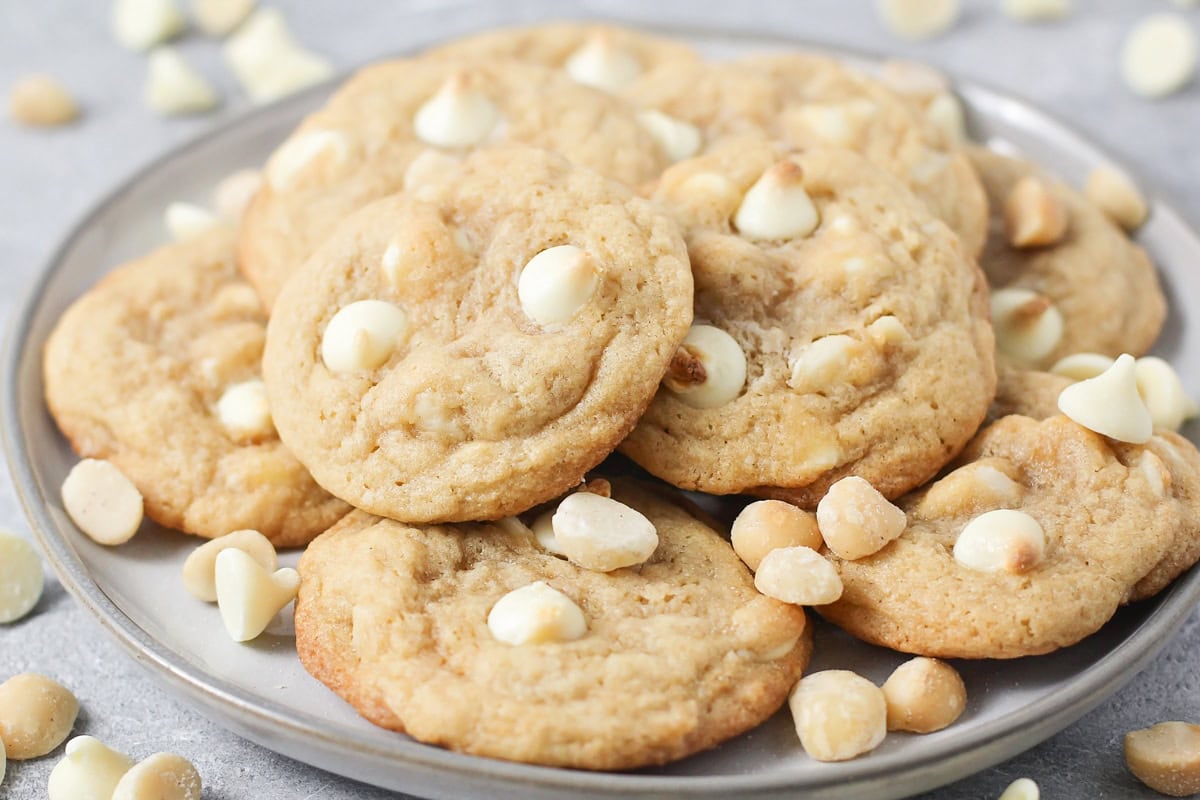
{"x":50,"y":178}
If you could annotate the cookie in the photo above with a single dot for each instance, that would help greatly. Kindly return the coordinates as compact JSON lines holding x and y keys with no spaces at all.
{"x":483,"y":403}
{"x":156,"y":369}
{"x":869,"y":327}
{"x":679,"y":654}
{"x":814,"y":101}
{"x":1028,"y":392}
{"x":393,"y":124}
{"x":604,"y":56}
{"x":1109,"y":514}
{"x":1101,"y":283}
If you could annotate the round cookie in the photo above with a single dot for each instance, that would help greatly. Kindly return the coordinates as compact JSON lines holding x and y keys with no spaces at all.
{"x":1102,"y":284}
{"x":479,"y":411}
{"x":680,"y":653}
{"x":1027,"y":392}
{"x":135,"y":372}
{"x":1109,"y":517}
{"x":362,"y":144}
{"x":871,"y":329}
{"x":814,"y":101}
{"x":605,"y":56}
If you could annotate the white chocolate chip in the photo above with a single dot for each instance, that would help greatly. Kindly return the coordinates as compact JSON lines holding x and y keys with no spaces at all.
{"x":765,"y":525}
{"x":1081,"y":366}
{"x":1159,"y":55}
{"x":798,"y":575}
{"x":1109,"y":403}
{"x":923,"y":695}
{"x":233,"y":194}
{"x":248,"y":595}
{"x":543,"y":531}
{"x":536,"y":614}
{"x":946,"y":112}
{"x":678,"y":138}
{"x":838,"y":715}
{"x":914,"y":79}
{"x":267,"y":60}
{"x":820,"y":364}
{"x":430,"y":167}
{"x":90,"y":770}
{"x":200,"y":568}
{"x":141,"y":24}
{"x":41,"y":101}
{"x":602,"y":534}
{"x":1021,"y":789}
{"x":556,"y":283}
{"x":918,"y":19}
{"x":220,"y":17}
{"x":887,"y":331}
{"x":186,"y":221}
{"x":36,"y":714}
{"x":1117,"y":196}
{"x":362,"y":336}
{"x":1004,"y":540}
{"x":931,"y":165}
{"x":708,"y":370}
{"x":856,"y":520}
{"x":21,"y":579}
{"x":1028,"y":326}
{"x":458,"y":115}
{"x":162,"y":776}
{"x":102,"y":502}
{"x":1034,"y":215}
{"x":174,"y":86}
{"x":835,"y":123}
{"x":776,"y":206}
{"x":1163,"y":392}
{"x":1036,"y":10}
{"x":1166,"y":757}
{"x":602,"y":64}
{"x":313,"y":151}
{"x":244,"y":412}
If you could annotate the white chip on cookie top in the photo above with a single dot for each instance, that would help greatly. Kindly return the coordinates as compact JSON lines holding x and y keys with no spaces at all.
{"x":458,"y":115}
{"x":603,"y":64}
{"x":708,"y":370}
{"x":427,"y":168}
{"x":838,"y":124}
{"x":1110,"y":404}
{"x":1028,"y":325}
{"x":1004,"y":540}
{"x":777,"y":206}
{"x":248,"y":595}
{"x":88,"y":769}
{"x":556,"y":283}
{"x":599,"y":533}
{"x":678,"y":138}
{"x":362,"y":335}
{"x":818,"y":364}
{"x":304,"y":153}
{"x":102,"y":501}
{"x":244,"y":411}
{"x":536,"y":614}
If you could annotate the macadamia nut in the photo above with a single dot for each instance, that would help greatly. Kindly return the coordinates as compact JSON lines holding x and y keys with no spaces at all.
{"x":36,"y":714}
{"x":1117,"y":196}
{"x":765,"y":525}
{"x":798,"y":575}
{"x":41,"y":101}
{"x":924,"y":695}
{"x":838,"y":715}
{"x":200,"y":568}
{"x":1166,"y":757}
{"x":102,"y":502}
{"x":162,"y":776}
{"x":856,"y":520}
{"x":599,"y":533}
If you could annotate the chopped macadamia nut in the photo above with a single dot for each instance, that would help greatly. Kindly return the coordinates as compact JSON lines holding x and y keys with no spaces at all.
{"x":162,"y":776}
{"x":1117,"y":196}
{"x":1159,"y":55}
{"x":41,"y":101}
{"x":1021,"y":789}
{"x":708,"y":370}
{"x":220,"y":17}
{"x":946,"y":112}
{"x":599,"y":533}
{"x":972,"y":488}
{"x":1036,"y":10}
{"x":536,"y":614}
{"x":777,"y":207}
{"x":766,"y":525}
{"x":362,"y":336}
{"x":1081,"y":366}
{"x":1028,"y":326}
{"x":233,"y":194}
{"x":36,"y":714}
{"x":1166,"y":757}
{"x":141,"y":24}
{"x":557,"y":283}
{"x":798,"y":575}
{"x":174,"y":86}
{"x":838,"y":715}
{"x":90,"y":770}
{"x":248,"y":595}
{"x":102,"y":502}
{"x":200,"y":568}
{"x":856,"y":520}
{"x":543,"y":531}
{"x":1110,"y":404}
{"x":1004,"y":540}
{"x":458,"y":115}
{"x":678,"y":138}
{"x":830,"y":360}
{"x":1034,"y":216}
{"x":185,"y":221}
{"x":924,"y":695}
{"x":21,"y":579}
{"x":918,"y":19}
{"x":601,"y":63}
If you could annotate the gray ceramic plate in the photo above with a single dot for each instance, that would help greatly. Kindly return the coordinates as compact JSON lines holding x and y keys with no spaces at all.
{"x":261,"y":692}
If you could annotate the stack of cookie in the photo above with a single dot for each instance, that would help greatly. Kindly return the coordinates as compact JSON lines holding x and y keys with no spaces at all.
{"x":475,"y":275}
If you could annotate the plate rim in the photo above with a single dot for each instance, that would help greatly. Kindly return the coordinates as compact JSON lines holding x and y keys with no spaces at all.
{"x":995,"y":740}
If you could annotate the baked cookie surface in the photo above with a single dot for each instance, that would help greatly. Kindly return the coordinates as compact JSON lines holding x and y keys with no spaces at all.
{"x":477,"y":410}
{"x":361,"y":145}
{"x":871,"y":328}
{"x":815,"y":101}
{"x":135,"y":373}
{"x":1110,"y":514}
{"x":1102,"y":284}
{"x":680,"y":653}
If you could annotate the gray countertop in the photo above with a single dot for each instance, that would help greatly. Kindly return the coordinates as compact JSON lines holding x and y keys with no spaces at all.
{"x":49,"y":178}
